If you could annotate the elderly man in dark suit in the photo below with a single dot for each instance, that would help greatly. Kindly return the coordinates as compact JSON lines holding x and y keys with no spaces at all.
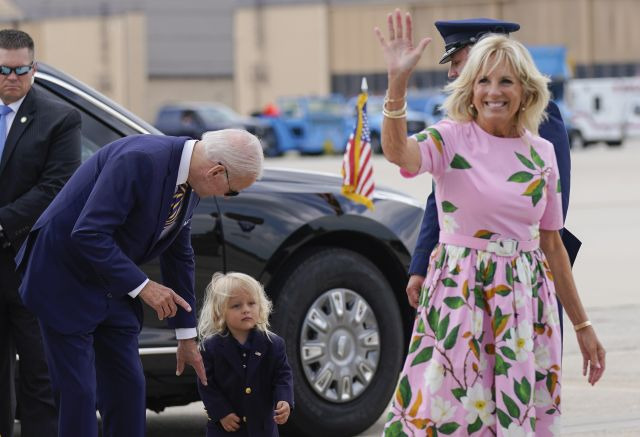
{"x":40,"y":150}
{"x":459,"y":36}
{"x":129,"y":203}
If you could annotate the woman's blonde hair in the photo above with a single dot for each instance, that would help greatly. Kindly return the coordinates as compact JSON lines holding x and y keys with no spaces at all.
{"x":485,"y":56}
{"x":221,"y":288}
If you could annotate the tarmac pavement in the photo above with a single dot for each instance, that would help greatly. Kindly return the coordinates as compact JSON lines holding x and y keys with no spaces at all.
{"x":605,"y":215}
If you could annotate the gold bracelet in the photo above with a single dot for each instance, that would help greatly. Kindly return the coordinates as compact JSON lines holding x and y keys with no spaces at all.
{"x":394,"y":112}
{"x":387,"y":99}
{"x":582,"y":325}
{"x":394,"y":116}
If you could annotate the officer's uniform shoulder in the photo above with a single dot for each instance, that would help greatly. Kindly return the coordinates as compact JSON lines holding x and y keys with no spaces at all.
{"x":541,"y":144}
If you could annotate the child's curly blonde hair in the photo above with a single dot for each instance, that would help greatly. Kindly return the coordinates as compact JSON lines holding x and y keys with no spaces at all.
{"x":220,"y":289}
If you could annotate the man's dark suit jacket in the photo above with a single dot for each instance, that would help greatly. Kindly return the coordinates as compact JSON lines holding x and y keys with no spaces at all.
{"x":40,"y":154}
{"x":552,"y":130}
{"x":251,"y":394}
{"x":86,"y":247}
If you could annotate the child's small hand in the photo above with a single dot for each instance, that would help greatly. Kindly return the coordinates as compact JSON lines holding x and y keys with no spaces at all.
{"x":230,"y":422}
{"x":282,"y":412}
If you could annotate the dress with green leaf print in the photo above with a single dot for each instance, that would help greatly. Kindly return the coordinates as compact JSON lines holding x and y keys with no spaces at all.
{"x":484,"y":355}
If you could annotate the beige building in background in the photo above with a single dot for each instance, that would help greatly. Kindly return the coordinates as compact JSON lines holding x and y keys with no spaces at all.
{"x":107,"y":53}
{"x":272,"y":48}
{"x":302,"y":47}
{"x":142,"y":54}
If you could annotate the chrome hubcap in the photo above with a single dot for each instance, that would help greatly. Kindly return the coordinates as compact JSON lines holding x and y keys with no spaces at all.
{"x":340,"y":345}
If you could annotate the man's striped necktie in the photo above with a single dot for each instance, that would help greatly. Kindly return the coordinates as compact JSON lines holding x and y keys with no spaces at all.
{"x":176,"y":204}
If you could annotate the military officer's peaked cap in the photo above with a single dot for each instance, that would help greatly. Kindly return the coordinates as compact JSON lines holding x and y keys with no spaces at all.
{"x":458,"y":34}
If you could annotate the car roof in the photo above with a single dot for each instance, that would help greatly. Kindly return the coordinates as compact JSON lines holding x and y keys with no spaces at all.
{"x":47,"y":72}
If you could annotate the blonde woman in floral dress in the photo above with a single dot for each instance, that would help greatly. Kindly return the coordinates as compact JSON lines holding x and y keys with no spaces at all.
{"x":484,"y":357}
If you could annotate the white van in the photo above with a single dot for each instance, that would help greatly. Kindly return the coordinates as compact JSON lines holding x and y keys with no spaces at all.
{"x":632,"y":122}
{"x":602,"y":110}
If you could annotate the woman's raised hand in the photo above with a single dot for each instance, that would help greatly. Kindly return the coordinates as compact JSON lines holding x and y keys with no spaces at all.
{"x":399,"y":52}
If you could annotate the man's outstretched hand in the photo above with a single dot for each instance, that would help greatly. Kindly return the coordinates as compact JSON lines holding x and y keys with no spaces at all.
{"x":188,"y":353}
{"x":163,"y":300}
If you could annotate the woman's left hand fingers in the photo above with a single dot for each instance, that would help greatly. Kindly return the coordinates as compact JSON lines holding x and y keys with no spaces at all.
{"x":593,"y":356}
{"x":398,"y":15}
{"x":392,"y":33}
{"x":597,"y":366}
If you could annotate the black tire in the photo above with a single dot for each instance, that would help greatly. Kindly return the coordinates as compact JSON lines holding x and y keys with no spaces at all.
{"x":329,"y":269}
{"x":270,"y":145}
{"x":376,"y":143}
{"x":614,"y":143}
{"x":576,"y":141}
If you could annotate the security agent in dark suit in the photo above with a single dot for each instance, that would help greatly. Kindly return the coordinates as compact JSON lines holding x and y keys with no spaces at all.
{"x":40,"y":150}
{"x":459,"y":36}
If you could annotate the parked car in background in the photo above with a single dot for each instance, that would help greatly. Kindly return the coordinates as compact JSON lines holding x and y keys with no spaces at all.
{"x":317,"y":124}
{"x":433,"y":108}
{"x":335,"y":270}
{"x":194,"y":118}
{"x":419,"y":101}
{"x":415,"y":120}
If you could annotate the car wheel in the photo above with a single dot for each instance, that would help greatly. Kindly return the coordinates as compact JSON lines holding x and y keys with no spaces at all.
{"x":614,"y":143}
{"x":270,"y":144}
{"x":376,"y":144}
{"x":576,"y":141}
{"x":344,"y":335}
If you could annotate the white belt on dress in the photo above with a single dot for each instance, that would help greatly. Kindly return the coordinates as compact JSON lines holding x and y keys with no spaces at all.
{"x":499,"y":246}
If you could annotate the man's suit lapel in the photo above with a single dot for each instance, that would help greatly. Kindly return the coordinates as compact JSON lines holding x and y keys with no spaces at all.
{"x":159,"y":246}
{"x":168,"y":189}
{"x":22,"y":120}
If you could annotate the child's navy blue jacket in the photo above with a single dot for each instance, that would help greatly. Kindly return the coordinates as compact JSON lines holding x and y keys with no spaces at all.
{"x":250,"y":393}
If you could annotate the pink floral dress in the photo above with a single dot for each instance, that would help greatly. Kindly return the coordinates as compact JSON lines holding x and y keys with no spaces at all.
{"x":484,"y":357}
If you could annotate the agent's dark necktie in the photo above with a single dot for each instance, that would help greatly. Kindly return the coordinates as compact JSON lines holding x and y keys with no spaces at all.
{"x":176,"y":204}
{"x":4,"y":110}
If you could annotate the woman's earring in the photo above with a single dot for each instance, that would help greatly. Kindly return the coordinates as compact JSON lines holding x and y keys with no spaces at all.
{"x":471,"y":106}
{"x":523,"y":108}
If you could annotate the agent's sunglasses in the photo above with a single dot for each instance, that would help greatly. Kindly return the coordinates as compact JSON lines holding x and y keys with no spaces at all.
{"x":231,"y":192}
{"x":19,"y":71}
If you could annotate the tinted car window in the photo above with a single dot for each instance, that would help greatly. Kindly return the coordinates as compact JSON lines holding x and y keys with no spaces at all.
{"x":212,"y":115}
{"x":95,"y":133}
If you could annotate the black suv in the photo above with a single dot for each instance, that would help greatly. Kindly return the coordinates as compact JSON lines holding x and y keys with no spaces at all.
{"x":193,"y":119}
{"x":335,"y":271}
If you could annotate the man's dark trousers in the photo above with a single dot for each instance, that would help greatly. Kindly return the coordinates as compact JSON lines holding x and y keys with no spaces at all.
{"x":78,"y":360}
{"x":22,"y":335}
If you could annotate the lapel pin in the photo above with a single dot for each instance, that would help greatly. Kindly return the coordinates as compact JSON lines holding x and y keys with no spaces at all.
{"x":23,"y":120}
{"x":258,"y":354}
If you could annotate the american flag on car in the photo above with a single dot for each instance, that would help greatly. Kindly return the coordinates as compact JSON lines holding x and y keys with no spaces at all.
{"x":357,"y":168}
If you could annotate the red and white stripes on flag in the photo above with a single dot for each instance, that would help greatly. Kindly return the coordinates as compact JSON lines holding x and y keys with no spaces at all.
{"x":357,"y":168}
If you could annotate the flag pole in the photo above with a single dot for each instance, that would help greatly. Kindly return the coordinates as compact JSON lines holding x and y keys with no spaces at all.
{"x":357,"y":169}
